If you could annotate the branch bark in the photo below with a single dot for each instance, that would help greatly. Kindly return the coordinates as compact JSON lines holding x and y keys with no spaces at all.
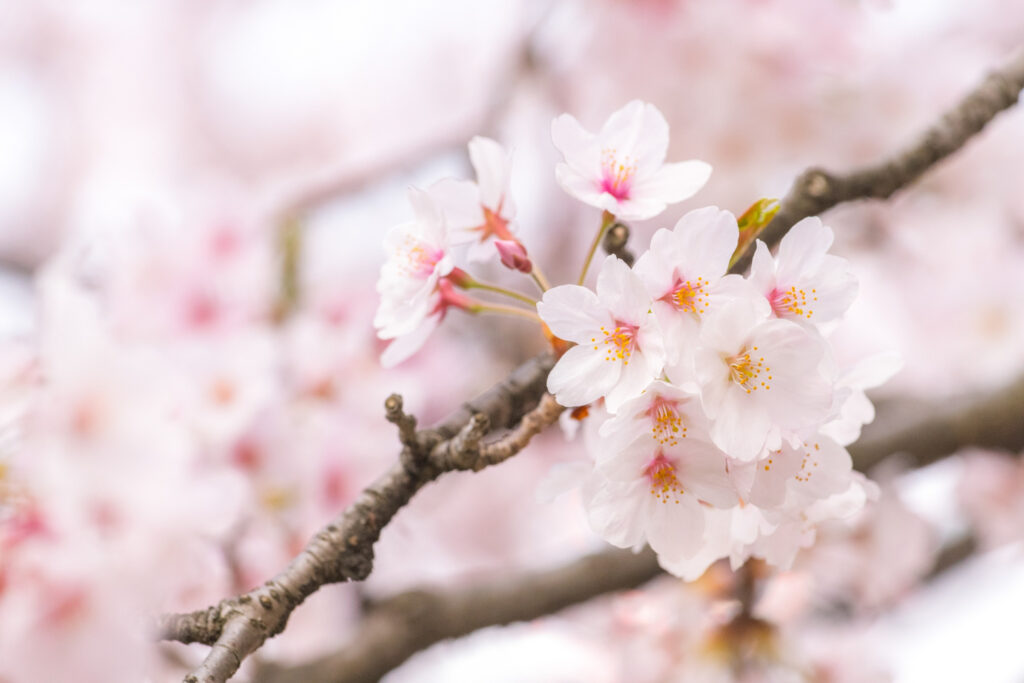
{"x":393,"y":634}
{"x":343,"y":550}
{"x":817,"y":190}
{"x":929,"y":432}
{"x":403,"y":625}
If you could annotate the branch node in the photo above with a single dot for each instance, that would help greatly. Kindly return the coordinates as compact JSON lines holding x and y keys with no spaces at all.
{"x":615,"y":242}
{"x":406,"y":423}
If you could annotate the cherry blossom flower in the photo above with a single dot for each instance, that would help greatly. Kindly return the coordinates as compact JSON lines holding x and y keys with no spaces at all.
{"x":619,"y":347}
{"x":409,"y":284}
{"x":684,"y":272}
{"x":655,"y":471}
{"x":760,"y":379}
{"x":622,"y":169}
{"x":663,"y":412}
{"x":481,"y":210}
{"x":795,"y":477}
{"x":803,"y":282}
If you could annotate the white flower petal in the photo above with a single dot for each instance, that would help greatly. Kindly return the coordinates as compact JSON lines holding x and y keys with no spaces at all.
{"x":673,"y":182}
{"x":459,"y":201}
{"x":579,"y":147}
{"x":637,"y":131}
{"x":406,"y":345}
{"x":493,"y":166}
{"x":582,"y":375}
{"x":573,"y":313}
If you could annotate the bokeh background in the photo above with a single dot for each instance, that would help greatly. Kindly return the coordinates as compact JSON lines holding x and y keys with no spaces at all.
{"x":193,"y":197}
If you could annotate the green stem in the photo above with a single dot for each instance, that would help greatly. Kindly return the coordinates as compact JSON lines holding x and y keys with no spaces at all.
{"x":476,"y":284}
{"x":607,"y":218}
{"x":539,"y":278}
{"x":504,"y":310}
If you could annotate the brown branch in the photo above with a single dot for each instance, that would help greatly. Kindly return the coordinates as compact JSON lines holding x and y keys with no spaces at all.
{"x":343,"y":550}
{"x":400,"y":626}
{"x":817,"y":190}
{"x":391,"y":635}
{"x":927,"y":432}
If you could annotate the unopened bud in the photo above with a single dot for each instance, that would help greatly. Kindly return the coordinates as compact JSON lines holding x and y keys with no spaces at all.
{"x":513,"y":255}
{"x":460,"y":278}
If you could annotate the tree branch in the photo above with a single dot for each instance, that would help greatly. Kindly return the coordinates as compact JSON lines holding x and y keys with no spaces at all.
{"x":928,"y":433}
{"x":817,"y":190}
{"x":343,"y":550}
{"x":400,"y":626}
{"x":392,"y":635}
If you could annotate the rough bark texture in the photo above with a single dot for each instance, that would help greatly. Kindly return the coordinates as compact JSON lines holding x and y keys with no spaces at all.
{"x":399,"y":627}
{"x":343,"y":550}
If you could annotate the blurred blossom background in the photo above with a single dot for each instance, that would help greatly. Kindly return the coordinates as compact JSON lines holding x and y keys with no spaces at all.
{"x":193,"y":197}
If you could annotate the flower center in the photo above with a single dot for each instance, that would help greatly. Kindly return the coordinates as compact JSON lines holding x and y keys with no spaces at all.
{"x":749,"y":371}
{"x":494,"y":224}
{"x":690,"y":296}
{"x":792,"y":301}
{"x":661,"y":472}
{"x":616,"y":173}
{"x":418,"y":259}
{"x":666,"y":424}
{"x":619,"y":343}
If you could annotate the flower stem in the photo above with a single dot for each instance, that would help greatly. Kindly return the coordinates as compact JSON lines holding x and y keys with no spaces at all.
{"x":501,"y":309}
{"x":539,"y":278}
{"x":476,"y":284}
{"x":607,"y":218}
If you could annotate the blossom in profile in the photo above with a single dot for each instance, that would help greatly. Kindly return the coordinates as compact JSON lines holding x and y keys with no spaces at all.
{"x":622,"y":168}
{"x":618,"y":349}
{"x":411,"y":296}
{"x":803,"y":282}
{"x":477,"y":212}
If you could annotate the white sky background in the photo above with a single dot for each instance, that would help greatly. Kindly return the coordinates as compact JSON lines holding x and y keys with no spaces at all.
{"x":326,"y":76}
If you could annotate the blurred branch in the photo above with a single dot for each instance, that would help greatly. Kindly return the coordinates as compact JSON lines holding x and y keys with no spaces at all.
{"x":338,"y":183}
{"x":930,"y":432}
{"x":407,"y":623}
{"x":343,"y":550}
{"x":817,"y":190}
{"x":290,"y":253}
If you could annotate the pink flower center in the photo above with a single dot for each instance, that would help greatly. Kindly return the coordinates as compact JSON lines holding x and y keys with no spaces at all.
{"x":750,"y":371}
{"x":418,"y":259}
{"x":618,"y":343}
{"x":666,"y":423}
{"x":792,"y":302}
{"x":690,"y":296}
{"x":661,"y":473}
{"x":616,"y":173}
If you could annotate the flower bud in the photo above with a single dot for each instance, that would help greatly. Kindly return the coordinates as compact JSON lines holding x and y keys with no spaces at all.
{"x":513,"y":255}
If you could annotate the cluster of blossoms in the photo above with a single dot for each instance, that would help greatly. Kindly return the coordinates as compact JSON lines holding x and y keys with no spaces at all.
{"x":726,"y":415}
